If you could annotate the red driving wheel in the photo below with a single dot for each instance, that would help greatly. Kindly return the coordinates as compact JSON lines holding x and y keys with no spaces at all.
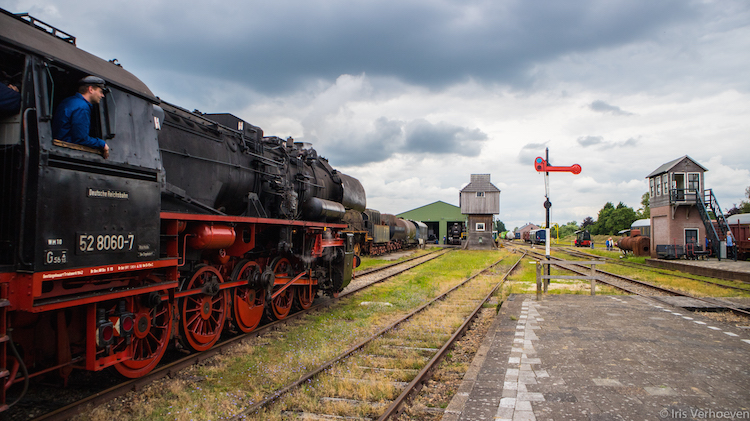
{"x":248,"y":302}
{"x":203,"y":314}
{"x":282,"y":304}
{"x":305,"y":295}
{"x":151,"y":332}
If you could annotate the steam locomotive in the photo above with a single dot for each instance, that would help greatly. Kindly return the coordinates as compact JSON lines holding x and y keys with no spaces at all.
{"x":454,"y":234}
{"x":194,"y":223}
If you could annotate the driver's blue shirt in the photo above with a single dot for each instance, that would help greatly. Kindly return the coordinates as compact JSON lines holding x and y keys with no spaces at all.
{"x":10,"y":101}
{"x":72,"y":121}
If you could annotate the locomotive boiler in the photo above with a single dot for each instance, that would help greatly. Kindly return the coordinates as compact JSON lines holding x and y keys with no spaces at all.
{"x":195,"y":222}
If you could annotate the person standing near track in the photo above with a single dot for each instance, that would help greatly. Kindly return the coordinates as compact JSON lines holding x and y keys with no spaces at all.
{"x":730,"y":246}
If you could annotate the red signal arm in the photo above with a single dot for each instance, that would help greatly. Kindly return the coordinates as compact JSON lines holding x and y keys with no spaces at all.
{"x":541,"y":166}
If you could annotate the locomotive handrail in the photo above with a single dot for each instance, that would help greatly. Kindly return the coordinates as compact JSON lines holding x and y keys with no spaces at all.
{"x":214,"y":123}
{"x":44,"y":26}
{"x":24,"y":184}
{"x":228,"y":164}
{"x":249,"y":220}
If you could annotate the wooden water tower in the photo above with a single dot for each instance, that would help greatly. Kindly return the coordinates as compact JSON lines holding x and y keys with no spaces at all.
{"x":480,"y":200}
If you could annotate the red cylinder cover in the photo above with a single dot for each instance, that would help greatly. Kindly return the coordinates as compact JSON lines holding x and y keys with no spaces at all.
{"x":205,"y":236}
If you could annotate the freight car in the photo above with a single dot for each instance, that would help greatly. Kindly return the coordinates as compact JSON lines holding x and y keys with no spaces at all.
{"x":740,"y":226}
{"x":195,"y":222}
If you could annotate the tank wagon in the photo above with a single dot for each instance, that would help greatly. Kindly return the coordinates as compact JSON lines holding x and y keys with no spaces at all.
{"x":635,"y":243}
{"x":195,"y":222}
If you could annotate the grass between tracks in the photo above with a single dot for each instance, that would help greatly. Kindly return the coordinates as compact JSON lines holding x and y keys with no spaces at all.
{"x":222,"y":386}
{"x":377,"y":261}
{"x":367,"y":380}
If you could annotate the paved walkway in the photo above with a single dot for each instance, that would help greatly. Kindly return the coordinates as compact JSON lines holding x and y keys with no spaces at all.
{"x":605,"y":358}
{"x":724,"y":264}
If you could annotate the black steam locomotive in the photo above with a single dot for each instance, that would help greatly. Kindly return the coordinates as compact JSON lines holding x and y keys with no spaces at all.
{"x":193,"y":223}
{"x":454,"y":234}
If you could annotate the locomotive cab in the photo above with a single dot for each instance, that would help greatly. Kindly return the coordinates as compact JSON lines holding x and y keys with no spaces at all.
{"x":81,"y":209}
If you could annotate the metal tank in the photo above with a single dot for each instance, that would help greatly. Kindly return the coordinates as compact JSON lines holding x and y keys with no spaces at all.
{"x":636,"y":243}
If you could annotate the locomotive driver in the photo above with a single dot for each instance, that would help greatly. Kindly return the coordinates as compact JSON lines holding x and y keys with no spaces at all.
{"x":72,"y":119}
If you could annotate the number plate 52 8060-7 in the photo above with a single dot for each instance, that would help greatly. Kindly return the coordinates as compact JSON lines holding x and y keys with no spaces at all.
{"x":104,"y":242}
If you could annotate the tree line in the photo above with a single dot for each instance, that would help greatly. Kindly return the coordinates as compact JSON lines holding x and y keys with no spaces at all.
{"x":611,"y":219}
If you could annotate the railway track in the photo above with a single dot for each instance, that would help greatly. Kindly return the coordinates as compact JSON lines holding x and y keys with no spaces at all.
{"x":578,"y":253}
{"x":645,"y":289}
{"x":360,"y":282}
{"x":393,"y":363}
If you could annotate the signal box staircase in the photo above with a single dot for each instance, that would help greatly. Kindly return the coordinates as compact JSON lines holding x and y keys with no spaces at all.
{"x":708,"y":206}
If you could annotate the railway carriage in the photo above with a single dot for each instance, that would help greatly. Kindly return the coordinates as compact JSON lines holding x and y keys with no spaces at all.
{"x":194,"y":223}
{"x":537,"y":236}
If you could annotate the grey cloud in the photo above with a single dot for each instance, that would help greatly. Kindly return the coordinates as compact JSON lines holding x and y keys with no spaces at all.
{"x":630,"y":143}
{"x":279,"y":46}
{"x":535,"y":146}
{"x":530,"y":151}
{"x":389,"y":137}
{"x":589,"y":141}
{"x":603,"y":107}
{"x":376,"y":145}
{"x":441,"y":138}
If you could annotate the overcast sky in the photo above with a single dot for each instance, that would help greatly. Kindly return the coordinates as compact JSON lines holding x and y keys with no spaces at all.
{"x":413,"y":96}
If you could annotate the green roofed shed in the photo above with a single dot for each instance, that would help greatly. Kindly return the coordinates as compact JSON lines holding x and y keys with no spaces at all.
{"x":438,"y":216}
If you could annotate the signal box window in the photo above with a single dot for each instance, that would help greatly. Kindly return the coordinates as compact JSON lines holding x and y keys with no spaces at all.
{"x":480,"y":194}
{"x":480,"y":226}
{"x":693,"y":181}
